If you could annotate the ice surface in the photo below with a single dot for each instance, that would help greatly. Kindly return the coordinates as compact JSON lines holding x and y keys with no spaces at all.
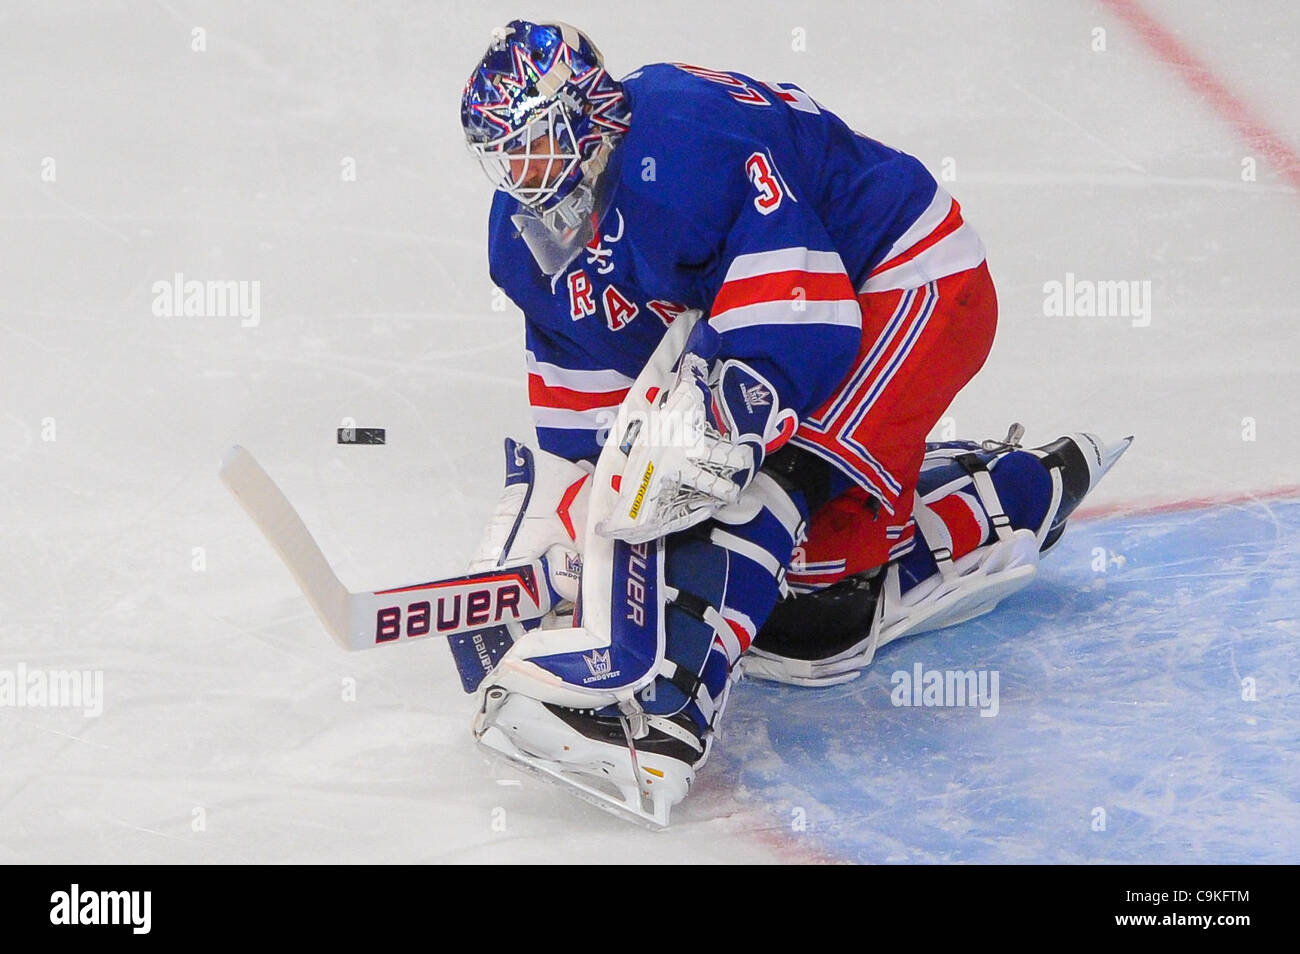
{"x":1120,"y":690}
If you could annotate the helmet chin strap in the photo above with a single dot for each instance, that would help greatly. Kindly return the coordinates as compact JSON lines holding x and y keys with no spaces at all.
{"x":570,"y":212}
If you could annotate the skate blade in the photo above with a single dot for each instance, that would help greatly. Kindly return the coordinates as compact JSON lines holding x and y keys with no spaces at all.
{"x":494,"y":742}
{"x":977,"y":597}
{"x":791,"y":674}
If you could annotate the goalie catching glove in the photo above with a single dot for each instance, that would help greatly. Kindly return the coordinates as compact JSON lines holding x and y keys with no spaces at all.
{"x":698,"y":447}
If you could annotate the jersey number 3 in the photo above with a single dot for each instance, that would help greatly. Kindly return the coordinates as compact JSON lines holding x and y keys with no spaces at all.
{"x":766,"y":182}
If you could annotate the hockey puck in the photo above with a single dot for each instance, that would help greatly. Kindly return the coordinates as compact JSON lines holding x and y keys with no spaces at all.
{"x":361,"y":435}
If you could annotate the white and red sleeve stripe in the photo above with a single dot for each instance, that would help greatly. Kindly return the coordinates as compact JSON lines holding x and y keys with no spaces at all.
{"x":571,"y":398}
{"x":787,"y":286}
{"x":939,"y":243}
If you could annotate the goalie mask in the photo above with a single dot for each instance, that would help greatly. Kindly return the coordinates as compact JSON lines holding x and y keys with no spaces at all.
{"x":543,"y":117}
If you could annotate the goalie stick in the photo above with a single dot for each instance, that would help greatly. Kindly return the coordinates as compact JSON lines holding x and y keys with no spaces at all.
{"x":369,"y":618}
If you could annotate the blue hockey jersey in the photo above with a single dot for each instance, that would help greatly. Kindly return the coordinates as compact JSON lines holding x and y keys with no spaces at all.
{"x":745,"y":200}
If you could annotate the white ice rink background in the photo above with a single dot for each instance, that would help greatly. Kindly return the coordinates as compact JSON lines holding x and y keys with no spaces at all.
{"x":1150,"y":673}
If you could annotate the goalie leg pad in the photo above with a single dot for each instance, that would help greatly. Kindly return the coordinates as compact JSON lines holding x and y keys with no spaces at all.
{"x":627,"y":722}
{"x":681,"y":611}
{"x":980,"y":496}
{"x":723,"y":581}
{"x":591,"y":666}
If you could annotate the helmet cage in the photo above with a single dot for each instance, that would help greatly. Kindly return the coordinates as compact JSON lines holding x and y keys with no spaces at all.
{"x":547,"y":144}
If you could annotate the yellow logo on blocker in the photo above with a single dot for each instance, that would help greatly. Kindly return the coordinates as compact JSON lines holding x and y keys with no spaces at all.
{"x":640,"y":493}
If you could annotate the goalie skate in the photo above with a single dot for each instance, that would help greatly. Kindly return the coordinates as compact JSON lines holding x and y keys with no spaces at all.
{"x":980,"y":581}
{"x":596,"y":758}
{"x":873,"y":616}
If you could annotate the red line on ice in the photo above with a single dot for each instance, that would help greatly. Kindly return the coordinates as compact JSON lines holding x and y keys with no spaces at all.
{"x":1198,"y":75}
{"x":1177,"y":506}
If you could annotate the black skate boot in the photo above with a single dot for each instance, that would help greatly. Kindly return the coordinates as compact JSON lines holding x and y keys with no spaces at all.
{"x":1081,"y":460}
{"x":823,"y":625}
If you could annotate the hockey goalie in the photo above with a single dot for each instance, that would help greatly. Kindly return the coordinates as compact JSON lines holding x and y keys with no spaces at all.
{"x":742,"y":320}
